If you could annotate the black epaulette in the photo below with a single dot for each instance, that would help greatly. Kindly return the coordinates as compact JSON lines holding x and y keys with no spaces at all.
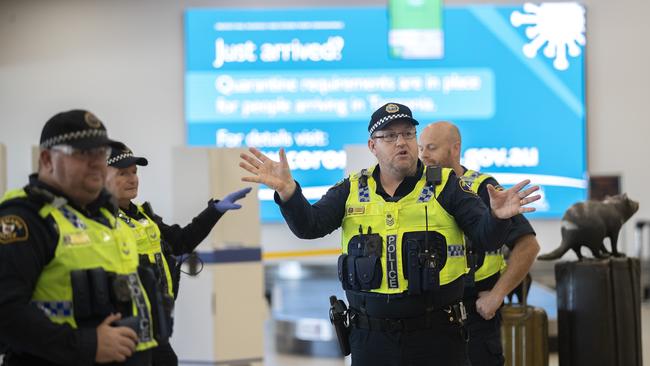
{"x":35,"y":200}
{"x":146,"y":207}
{"x":434,"y":175}
{"x":363,"y":177}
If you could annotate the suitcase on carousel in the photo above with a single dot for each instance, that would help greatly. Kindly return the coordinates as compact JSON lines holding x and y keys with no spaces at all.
{"x":599,"y":312}
{"x":524,"y":334}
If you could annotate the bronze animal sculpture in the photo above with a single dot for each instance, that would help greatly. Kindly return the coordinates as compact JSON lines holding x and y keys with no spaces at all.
{"x":589,"y":223}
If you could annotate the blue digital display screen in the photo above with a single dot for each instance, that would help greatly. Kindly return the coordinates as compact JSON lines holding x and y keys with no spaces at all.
{"x":307,"y":80}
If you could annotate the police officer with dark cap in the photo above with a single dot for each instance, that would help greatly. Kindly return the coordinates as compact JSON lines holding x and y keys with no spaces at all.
{"x":71,"y":293}
{"x":403,"y":261}
{"x":159,"y":243}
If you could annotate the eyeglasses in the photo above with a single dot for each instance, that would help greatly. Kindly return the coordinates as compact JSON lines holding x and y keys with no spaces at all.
{"x":95,"y":153}
{"x":392,"y":136}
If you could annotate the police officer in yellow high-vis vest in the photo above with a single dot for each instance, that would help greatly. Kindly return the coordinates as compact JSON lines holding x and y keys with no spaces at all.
{"x":403,"y":254}
{"x":71,"y":289}
{"x":489,"y":281}
{"x":158,"y":242}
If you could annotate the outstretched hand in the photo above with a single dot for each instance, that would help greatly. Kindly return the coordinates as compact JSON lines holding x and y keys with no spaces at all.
{"x":508,"y":203}
{"x":276,"y":175}
{"x":228,"y":202}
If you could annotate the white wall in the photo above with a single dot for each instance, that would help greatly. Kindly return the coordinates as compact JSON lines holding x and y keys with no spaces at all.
{"x":123,"y":60}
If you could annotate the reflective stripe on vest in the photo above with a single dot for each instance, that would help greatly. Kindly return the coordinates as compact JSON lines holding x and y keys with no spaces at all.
{"x":85,"y":244}
{"x":494,"y":261}
{"x":148,"y":238}
{"x":392,"y":219}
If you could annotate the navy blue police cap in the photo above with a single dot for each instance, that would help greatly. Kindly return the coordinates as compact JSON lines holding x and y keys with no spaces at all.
{"x":78,"y":128}
{"x":389,"y":113}
{"x":122,"y":157}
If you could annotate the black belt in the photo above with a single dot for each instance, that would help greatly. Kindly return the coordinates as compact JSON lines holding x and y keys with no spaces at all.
{"x":363,"y":321}
{"x":427,"y":321}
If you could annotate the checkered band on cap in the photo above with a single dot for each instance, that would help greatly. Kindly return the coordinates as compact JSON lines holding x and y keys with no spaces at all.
{"x":71,"y":136}
{"x":385,"y":119}
{"x":117,"y":158}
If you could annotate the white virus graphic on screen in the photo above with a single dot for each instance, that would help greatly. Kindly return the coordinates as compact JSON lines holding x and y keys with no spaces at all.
{"x":559,"y":26}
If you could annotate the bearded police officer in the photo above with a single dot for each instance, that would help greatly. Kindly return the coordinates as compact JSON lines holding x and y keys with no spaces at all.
{"x":71,"y":293}
{"x":440,"y":144}
{"x":158,"y":242}
{"x":403,"y":256}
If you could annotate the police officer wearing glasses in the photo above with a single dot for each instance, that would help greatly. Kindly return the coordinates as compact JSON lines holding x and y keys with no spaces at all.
{"x":71,"y":290}
{"x":158,"y":242}
{"x":403,"y":254}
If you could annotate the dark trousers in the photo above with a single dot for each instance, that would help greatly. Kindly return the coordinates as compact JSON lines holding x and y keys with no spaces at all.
{"x":443,"y":345}
{"x":142,"y":358}
{"x":484,"y":347}
{"x":164,"y":356}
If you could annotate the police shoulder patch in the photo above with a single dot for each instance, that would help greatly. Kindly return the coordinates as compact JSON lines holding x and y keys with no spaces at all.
{"x":466,"y":180}
{"x":463,"y":185}
{"x":12,"y":229}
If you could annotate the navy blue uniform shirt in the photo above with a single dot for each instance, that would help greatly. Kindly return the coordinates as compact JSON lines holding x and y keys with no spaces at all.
{"x":519,"y":227}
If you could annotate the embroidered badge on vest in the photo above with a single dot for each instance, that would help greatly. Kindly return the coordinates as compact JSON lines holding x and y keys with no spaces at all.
{"x":356,"y":210}
{"x":390,"y":220}
{"x":76,"y":239}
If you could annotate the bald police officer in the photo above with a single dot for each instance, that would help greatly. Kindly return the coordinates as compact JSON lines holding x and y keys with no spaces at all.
{"x":489,"y":279}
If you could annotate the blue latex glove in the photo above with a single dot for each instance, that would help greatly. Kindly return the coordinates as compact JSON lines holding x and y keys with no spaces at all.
{"x":228,"y":202}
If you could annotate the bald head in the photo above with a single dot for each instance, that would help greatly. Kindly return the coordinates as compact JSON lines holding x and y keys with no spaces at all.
{"x":441,"y":131}
{"x":440,"y":145}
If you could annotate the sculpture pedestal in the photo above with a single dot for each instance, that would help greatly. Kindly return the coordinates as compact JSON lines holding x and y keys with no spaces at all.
{"x":599,"y":312}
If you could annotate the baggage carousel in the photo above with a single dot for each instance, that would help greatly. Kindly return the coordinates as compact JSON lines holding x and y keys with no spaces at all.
{"x":299,"y":297}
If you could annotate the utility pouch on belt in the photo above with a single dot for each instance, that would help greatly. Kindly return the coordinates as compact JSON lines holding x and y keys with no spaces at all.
{"x":81,"y":301}
{"x":161,"y":326}
{"x":360,"y":268}
{"x":339,"y":319}
{"x":91,"y":296}
{"x":413,"y":267}
{"x":101,"y":297}
{"x":425,"y":254}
